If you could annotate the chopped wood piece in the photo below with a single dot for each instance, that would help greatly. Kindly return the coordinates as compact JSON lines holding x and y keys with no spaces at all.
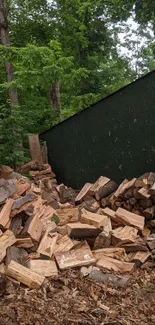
{"x":76,"y":243}
{"x":152,"y":190}
{"x":144,"y":193}
{"x":23,"y":274}
{"x":106,"y":190}
{"x":27,"y":167}
{"x":16,"y":224}
{"x":117,"y":253}
{"x":77,"y":257}
{"x":39,"y":166}
{"x":83,"y":192}
{"x":96,"y":189}
{"x":7,"y":189}
{"x":22,"y":200}
{"x":151,"y":243}
{"x":119,"y":190}
{"x":5,"y":213}
{"x":118,"y":203}
{"x":114,"y":221}
{"x":48,"y":213}
{"x":6,"y":240}
{"x":127,"y":206}
{"x":152,"y":223}
{"x":132,"y":201}
{"x":35,"y":189}
{"x":151,"y":179}
{"x":111,"y":214}
{"x":139,"y":257}
{"x":47,"y":170}
{"x":54,"y":204}
{"x":33,"y":256}
{"x":2,"y":268}
{"x":36,"y":208}
{"x":67,"y":215}
{"x":106,"y":201}
{"x":103,"y":240}
{"x":48,"y":244}
{"x":93,"y":219}
{"x":142,"y":181}
{"x":16,"y":254}
{"x":129,"y":218}
{"x":8,"y":225}
{"x":59,"y":186}
{"x":24,"y":207}
{"x":3,"y":195}
{"x":5,"y":171}
{"x":43,"y":178}
{"x":139,"y":245}
{"x":90,"y":205}
{"x":62,"y":230}
{"x":47,"y":183}
{"x":50,"y":196}
{"x":24,"y":242}
{"x":44,"y":267}
{"x":148,"y":265}
{"x":64,"y":244}
{"x":67,"y":195}
{"x":124,"y":235}
{"x":87,"y":198}
{"x":65,"y":205}
{"x":136,"y":195}
{"x":149,"y":213}
{"x":115,"y":265}
{"x":49,"y":226}
{"x":124,"y":188}
{"x":21,"y":188}
{"x":35,"y":149}
{"x":128,"y":194}
{"x":153,"y":199}
{"x":145,"y":203}
{"x":33,"y":227}
{"x":81,"y":230}
{"x":146,"y":233}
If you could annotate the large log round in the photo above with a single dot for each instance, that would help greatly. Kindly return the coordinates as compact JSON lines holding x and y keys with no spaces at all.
{"x":109,"y":188}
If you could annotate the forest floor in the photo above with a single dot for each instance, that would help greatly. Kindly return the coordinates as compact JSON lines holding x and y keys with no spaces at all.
{"x":73,"y":299}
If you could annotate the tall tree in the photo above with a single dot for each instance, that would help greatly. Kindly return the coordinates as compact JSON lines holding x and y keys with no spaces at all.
{"x":29,"y":22}
{"x":4,"y":34}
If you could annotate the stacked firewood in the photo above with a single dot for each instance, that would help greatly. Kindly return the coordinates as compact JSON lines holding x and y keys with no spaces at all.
{"x":136,"y":195}
{"x":39,"y":172}
{"x":45,"y":227}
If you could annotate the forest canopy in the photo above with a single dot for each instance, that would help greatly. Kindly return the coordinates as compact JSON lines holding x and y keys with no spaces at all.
{"x":58,"y":57}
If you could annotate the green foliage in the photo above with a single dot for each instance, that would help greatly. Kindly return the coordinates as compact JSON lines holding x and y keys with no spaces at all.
{"x":11,"y":136}
{"x":74,"y":42}
{"x":145,"y":11}
{"x":55,"y":218}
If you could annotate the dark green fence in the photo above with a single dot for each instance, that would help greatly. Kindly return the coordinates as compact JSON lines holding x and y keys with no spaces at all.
{"x":114,"y":137}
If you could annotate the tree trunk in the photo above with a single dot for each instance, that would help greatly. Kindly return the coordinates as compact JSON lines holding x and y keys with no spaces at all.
{"x":55,"y":97}
{"x":4,"y":35}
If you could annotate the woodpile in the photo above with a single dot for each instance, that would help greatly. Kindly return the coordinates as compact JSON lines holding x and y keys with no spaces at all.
{"x":46,"y":227}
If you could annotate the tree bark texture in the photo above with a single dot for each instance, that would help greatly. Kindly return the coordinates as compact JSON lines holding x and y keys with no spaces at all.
{"x":55,"y":97}
{"x":4,"y":35}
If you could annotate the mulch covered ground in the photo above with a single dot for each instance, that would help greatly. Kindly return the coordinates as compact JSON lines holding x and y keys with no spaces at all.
{"x":73,"y":299}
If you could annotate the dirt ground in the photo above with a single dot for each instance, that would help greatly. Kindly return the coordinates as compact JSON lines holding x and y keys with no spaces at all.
{"x":73,"y":299}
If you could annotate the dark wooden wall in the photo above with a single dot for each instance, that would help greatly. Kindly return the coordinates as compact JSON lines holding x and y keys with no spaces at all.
{"x":114,"y":137}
